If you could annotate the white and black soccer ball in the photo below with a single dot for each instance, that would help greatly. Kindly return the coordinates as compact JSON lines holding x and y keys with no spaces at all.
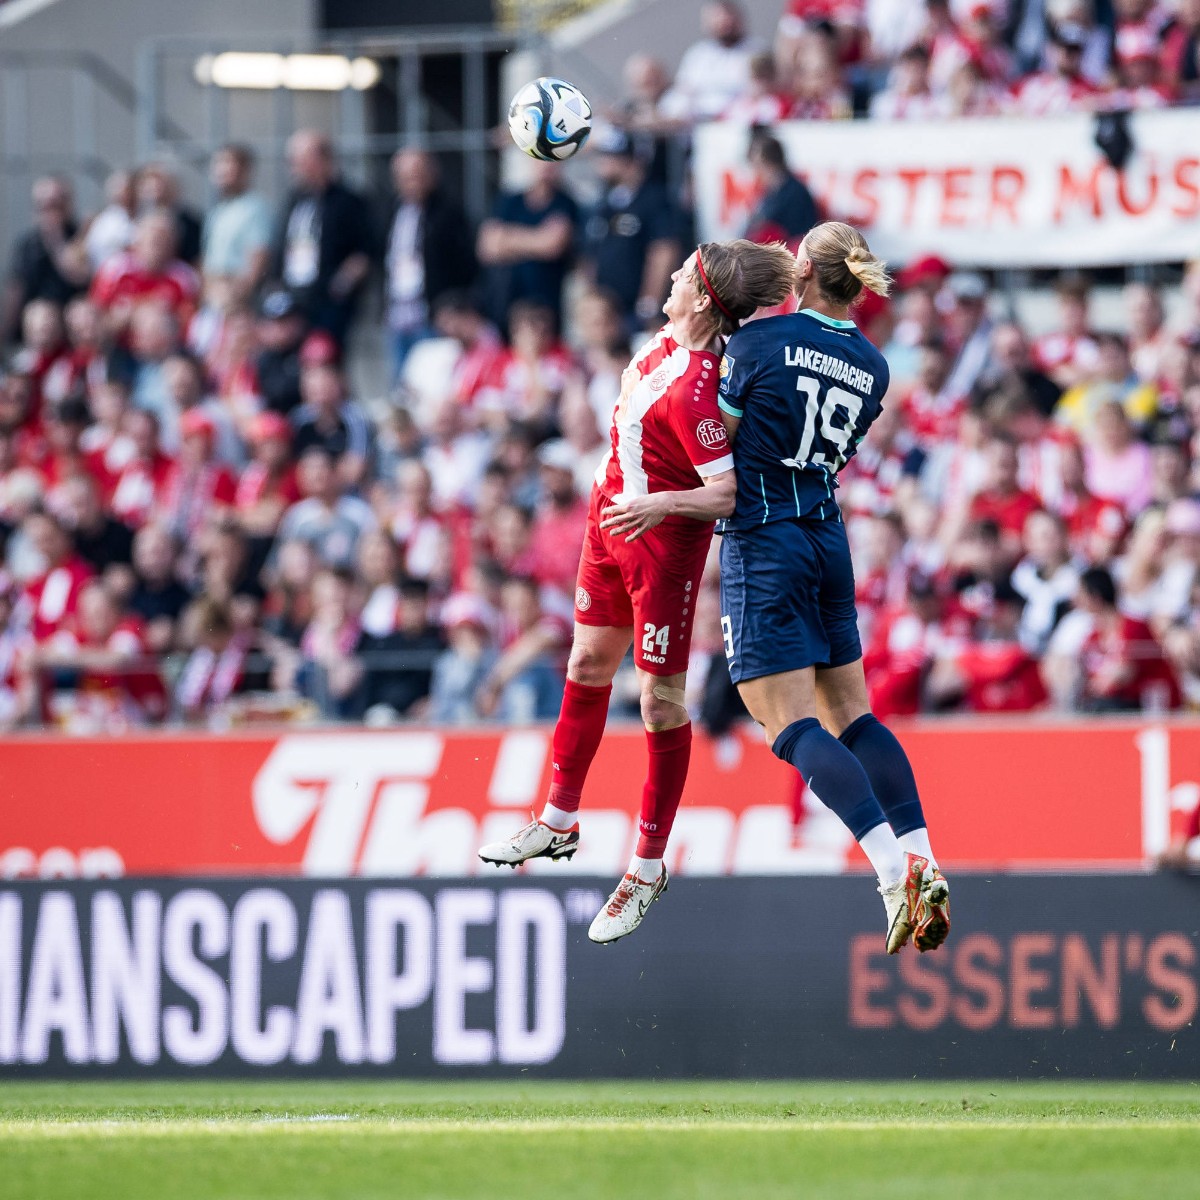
{"x":549,"y":119}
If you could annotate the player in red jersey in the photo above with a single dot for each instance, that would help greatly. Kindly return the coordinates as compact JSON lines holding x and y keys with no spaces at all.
{"x":648,"y":532}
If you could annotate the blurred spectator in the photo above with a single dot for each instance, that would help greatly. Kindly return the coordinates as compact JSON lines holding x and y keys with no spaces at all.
{"x":398,"y":666}
{"x":429,"y":249}
{"x":994,"y":672}
{"x":818,"y":89}
{"x":111,"y":687}
{"x":1001,"y":499}
{"x":51,"y":597}
{"x":158,"y":598}
{"x":198,"y":485}
{"x":323,"y":246}
{"x":1123,"y":667}
{"x":526,"y":682}
{"x":267,"y":487}
{"x":526,"y":246}
{"x":1069,"y":353}
{"x":111,"y":232}
{"x":1112,"y":378}
{"x":528,"y":378}
{"x":1012,"y":371}
{"x":715,"y":70}
{"x":786,"y":210}
{"x":47,"y":261}
{"x":15,"y":647}
{"x":970,"y":330}
{"x":289,"y":575}
{"x":457,"y":316}
{"x":559,"y":520}
{"x":1181,"y":50}
{"x":461,"y":669}
{"x":102,"y":541}
{"x":1062,"y":87}
{"x":632,"y":238}
{"x":900,"y":649}
{"x":765,"y":101}
{"x":1045,"y":578}
{"x":326,"y":519}
{"x":149,"y":272}
{"x":1118,"y":465}
{"x":455,"y":456}
{"x":326,"y":670}
{"x":415,"y":525}
{"x":908,"y":95}
{"x":63,"y":454}
{"x":977,"y":39}
{"x":215,"y":669}
{"x":1148,"y":335}
{"x":328,"y":418}
{"x":279,"y":336}
{"x":157,"y":190}
{"x":237,"y":229}
{"x":378,"y":570}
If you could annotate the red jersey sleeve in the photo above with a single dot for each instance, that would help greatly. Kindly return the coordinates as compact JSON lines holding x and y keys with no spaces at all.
{"x":696,"y":421}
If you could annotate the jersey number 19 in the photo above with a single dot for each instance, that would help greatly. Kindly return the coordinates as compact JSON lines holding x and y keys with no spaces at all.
{"x":836,"y":438}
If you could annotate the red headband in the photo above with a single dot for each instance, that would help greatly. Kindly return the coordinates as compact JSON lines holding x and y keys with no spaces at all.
{"x":708,"y":287}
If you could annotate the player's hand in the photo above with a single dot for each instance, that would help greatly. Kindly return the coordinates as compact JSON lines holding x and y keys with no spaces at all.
{"x":635,"y":516}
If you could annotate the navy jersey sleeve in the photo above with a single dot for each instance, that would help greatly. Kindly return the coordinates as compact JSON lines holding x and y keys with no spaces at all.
{"x":738,"y":367}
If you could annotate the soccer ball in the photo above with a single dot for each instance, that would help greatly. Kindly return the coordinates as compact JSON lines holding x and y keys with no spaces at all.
{"x":549,"y":119}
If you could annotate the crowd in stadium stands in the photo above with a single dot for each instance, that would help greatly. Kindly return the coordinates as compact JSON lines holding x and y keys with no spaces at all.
{"x":199,"y":520}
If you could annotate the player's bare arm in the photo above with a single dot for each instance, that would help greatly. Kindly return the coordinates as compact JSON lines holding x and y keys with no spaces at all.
{"x":711,"y":501}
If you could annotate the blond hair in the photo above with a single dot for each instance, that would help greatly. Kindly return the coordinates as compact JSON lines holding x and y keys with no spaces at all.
{"x":741,"y":277}
{"x":843,"y":263}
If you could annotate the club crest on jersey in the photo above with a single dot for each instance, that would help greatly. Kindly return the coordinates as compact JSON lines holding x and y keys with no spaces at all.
{"x":726,"y":367}
{"x":583,"y":600}
{"x":658,"y":380}
{"x":711,"y":433}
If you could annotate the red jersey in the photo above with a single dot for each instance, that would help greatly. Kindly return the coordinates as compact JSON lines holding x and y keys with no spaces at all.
{"x":1009,"y":512}
{"x":123,"y":279}
{"x":256,"y":483}
{"x":140,"y":488}
{"x":52,"y":598}
{"x":668,"y":428}
{"x":1125,"y":665}
{"x":1000,"y":677}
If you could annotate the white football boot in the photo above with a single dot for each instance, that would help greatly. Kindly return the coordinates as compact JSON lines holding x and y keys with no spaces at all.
{"x":626,"y":907}
{"x":536,"y":840}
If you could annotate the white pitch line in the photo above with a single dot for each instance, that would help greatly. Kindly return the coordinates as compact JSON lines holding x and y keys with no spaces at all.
{"x":339,"y":1123}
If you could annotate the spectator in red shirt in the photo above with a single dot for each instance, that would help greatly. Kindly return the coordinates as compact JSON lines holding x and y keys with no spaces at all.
{"x":559,"y":521}
{"x":1001,"y":499}
{"x":64,"y":426}
{"x":142,"y":482}
{"x":992,"y":672}
{"x":1063,"y":87}
{"x":52,"y":597}
{"x":901,"y":645}
{"x":527,"y":380}
{"x":267,"y":487}
{"x":197,"y":486}
{"x":1122,"y":664}
{"x":148,"y":273}
{"x":114,"y":688}
{"x":931,"y":410}
{"x":455,"y":315}
{"x":1069,"y":354}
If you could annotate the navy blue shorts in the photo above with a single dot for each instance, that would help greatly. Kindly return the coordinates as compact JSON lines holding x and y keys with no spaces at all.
{"x":787,"y":598}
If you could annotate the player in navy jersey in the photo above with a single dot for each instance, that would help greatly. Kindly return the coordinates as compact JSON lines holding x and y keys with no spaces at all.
{"x":798,"y":394}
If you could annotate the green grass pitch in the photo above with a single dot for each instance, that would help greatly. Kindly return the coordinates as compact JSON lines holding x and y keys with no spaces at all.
{"x":451,"y":1141}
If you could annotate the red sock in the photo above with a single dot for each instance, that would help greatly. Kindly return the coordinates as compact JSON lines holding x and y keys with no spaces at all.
{"x":576,"y":739}
{"x":670,"y":750}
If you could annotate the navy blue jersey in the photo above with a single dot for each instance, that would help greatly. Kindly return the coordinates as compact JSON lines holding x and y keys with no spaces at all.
{"x":807,"y":389}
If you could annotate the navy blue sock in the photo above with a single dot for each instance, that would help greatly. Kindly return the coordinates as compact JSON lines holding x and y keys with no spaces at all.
{"x":833,"y":773}
{"x":887,"y":767}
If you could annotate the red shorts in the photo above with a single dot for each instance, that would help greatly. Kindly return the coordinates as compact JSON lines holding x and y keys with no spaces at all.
{"x":651,"y":584}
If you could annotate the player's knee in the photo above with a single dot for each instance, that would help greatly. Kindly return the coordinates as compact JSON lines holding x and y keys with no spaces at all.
{"x":660,"y":711}
{"x":588,"y":668}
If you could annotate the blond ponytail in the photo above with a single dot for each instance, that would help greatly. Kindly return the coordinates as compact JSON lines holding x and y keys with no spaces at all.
{"x":843,"y":263}
{"x":870,"y":271}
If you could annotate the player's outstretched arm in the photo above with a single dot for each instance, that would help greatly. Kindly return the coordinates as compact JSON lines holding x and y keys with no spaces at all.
{"x":637,"y":514}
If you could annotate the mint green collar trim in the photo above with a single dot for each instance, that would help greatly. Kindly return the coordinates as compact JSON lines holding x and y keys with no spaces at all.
{"x":808,"y":312}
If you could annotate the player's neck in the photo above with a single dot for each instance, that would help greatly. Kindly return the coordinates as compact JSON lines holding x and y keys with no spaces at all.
{"x":693,"y":335}
{"x":812,"y":300}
